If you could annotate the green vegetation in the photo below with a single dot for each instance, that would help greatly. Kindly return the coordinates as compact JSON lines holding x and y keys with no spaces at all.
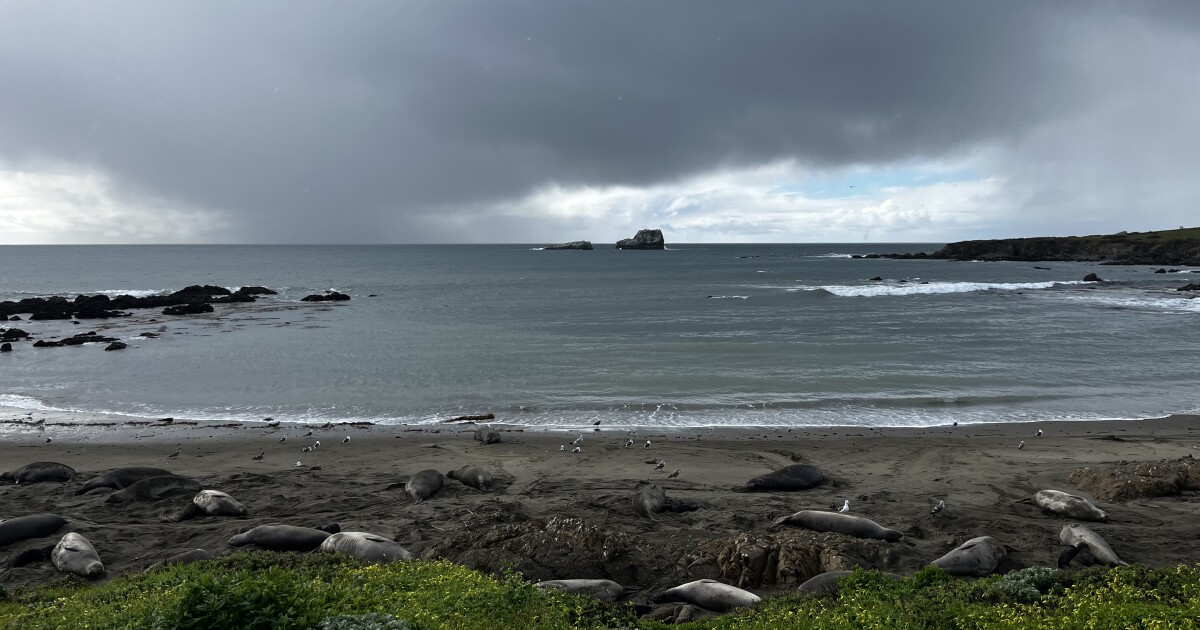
{"x":1165,"y":247}
{"x":278,"y":591}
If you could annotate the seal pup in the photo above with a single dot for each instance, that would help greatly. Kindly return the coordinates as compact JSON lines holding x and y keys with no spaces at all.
{"x":1074,"y":534}
{"x":74,"y":554}
{"x":212,"y":503}
{"x":473,"y":476}
{"x":856,"y":526}
{"x":281,"y":538}
{"x":794,"y":477}
{"x":365,"y":546}
{"x":154,"y":488}
{"x":1069,"y":505}
{"x":604,"y":590}
{"x":711,"y":595}
{"x":487,"y":435}
{"x":423,"y":485}
{"x":648,"y":500}
{"x":121,"y":478}
{"x":40,"y":471}
{"x":31,"y":526}
{"x":976,"y":557}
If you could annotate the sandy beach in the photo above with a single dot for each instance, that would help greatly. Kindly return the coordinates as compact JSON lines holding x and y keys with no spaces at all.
{"x":559,"y":514}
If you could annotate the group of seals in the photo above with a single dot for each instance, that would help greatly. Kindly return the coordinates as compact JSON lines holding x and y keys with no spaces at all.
{"x":40,"y":471}
{"x":856,"y":526}
{"x":794,"y":477}
{"x":154,"y":488}
{"x":121,"y":478}
{"x":1078,"y":537}
{"x":281,"y":538}
{"x":1069,"y":505}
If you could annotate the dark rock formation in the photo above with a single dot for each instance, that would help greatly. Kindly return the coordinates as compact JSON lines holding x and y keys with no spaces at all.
{"x":13,"y":334}
{"x":76,"y":340}
{"x":102,"y":306}
{"x":644,"y":239}
{"x":14,"y":318}
{"x":1189,"y":287}
{"x":256,"y":291}
{"x":198,"y":292}
{"x":571,"y":245}
{"x":1167,"y":247}
{"x":191,"y":308}
{"x":332,"y":296}
{"x":116,"y":345}
{"x":5,"y":347}
{"x":1091,"y":277}
{"x":1132,"y":480}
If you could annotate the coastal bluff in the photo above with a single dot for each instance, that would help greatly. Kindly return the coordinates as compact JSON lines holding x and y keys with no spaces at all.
{"x":1166,"y":247}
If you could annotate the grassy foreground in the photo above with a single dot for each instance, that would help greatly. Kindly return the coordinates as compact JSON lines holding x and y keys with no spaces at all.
{"x":253,"y":590}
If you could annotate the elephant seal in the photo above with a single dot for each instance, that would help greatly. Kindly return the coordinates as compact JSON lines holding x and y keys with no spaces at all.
{"x":604,"y":590}
{"x":473,"y":476}
{"x":487,"y":435}
{"x":856,"y":526}
{"x":710,"y":594}
{"x":648,"y":500}
{"x":31,"y":526}
{"x":187,"y":557}
{"x":121,"y":478}
{"x":154,"y":488}
{"x":1069,"y":505}
{"x":827,"y":583}
{"x":212,"y":503}
{"x":40,"y":471}
{"x":281,"y":538}
{"x":423,"y":485}
{"x":1074,"y":534}
{"x":794,"y":477}
{"x":365,"y":546}
{"x":74,"y":554}
{"x":976,"y":557}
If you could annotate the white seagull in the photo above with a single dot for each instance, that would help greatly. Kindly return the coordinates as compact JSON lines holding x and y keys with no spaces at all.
{"x":576,"y":450}
{"x":297,"y":465}
{"x":1021,"y":445}
{"x":845,"y":506}
{"x":578,"y":439}
{"x":939,"y":507}
{"x":673,"y":474}
{"x":647,"y":445}
{"x":1039,"y":433}
{"x":318,"y":444}
{"x":346,"y":440}
{"x":283,"y":439}
{"x":629,"y":443}
{"x":562,"y":447}
{"x":660,"y":465}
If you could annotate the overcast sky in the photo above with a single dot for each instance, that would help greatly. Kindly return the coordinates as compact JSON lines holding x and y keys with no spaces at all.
{"x":531,"y":122}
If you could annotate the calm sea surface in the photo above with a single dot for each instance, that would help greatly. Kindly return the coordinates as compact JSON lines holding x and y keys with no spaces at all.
{"x":699,"y":335}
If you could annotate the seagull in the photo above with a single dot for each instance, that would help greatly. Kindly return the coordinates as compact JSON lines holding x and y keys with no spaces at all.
{"x":306,"y":449}
{"x":578,"y":439}
{"x":673,"y":474}
{"x":309,"y":434}
{"x":629,"y":443}
{"x":660,"y":465}
{"x":283,"y":439}
{"x":562,"y":447}
{"x":576,"y":450}
{"x":596,"y":423}
{"x":47,"y":440}
{"x":647,"y":445}
{"x":318,"y":444}
{"x":845,"y":506}
{"x":955,"y":423}
{"x":1021,"y":445}
{"x":1039,"y":433}
{"x":939,"y":507}
{"x":173,"y":455}
{"x":260,"y":455}
{"x":346,"y":440}
{"x":297,"y":465}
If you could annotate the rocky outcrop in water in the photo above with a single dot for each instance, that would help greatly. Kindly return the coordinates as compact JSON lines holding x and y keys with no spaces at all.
{"x":586,"y":245}
{"x":1166,"y":247}
{"x":191,"y":308}
{"x":331,"y":296}
{"x":76,"y":340}
{"x":102,"y":306}
{"x":644,"y":239}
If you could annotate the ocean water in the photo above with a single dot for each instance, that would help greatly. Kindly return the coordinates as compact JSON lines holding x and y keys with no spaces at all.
{"x":698,"y":335}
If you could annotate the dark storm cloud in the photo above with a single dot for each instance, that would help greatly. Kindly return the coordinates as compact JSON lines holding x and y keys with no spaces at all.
{"x":316,"y":122}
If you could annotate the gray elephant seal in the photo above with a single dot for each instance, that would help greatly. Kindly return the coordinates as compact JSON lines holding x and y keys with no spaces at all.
{"x":281,"y":538}
{"x":365,"y":546}
{"x":976,"y":557}
{"x":74,"y":554}
{"x":827,"y":583}
{"x":31,"y":526}
{"x":1074,"y":534}
{"x":856,"y":526}
{"x":473,"y":476}
{"x":794,"y":477}
{"x":40,"y":471}
{"x":154,"y":488}
{"x":710,"y":594}
{"x":121,"y":478}
{"x":212,"y":503}
{"x":1069,"y":505}
{"x":603,"y":590}
{"x":423,"y":485}
{"x":648,"y":500}
{"x":487,"y":435}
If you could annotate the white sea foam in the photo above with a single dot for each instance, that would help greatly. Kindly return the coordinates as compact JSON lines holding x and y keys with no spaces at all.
{"x":23,"y":402}
{"x":1144,"y":303}
{"x":729,"y":297}
{"x":928,"y":288}
{"x":830,"y":255}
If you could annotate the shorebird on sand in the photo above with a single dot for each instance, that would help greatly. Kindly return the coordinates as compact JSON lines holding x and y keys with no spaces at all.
{"x":845,"y":506}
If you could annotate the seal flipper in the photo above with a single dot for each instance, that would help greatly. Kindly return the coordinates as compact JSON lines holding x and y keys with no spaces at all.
{"x":1065,"y":558}
{"x":191,"y":511}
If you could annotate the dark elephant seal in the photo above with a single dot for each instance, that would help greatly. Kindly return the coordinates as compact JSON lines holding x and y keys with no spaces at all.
{"x":794,"y":477}
{"x":40,"y":471}
{"x":856,"y":526}
{"x":603,"y":590}
{"x":187,"y":557}
{"x":154,"y":488}
{"x":473,"y":476}
{"x":281,"y":538}
{"x":423,"y":485}
{"x":648,"y":500}
{"x":74,"y":554}
{"x":122,"y":478}
{"x":31,"y":526}
{"x":827,"y":583}
{"x":976,"y":557}
{"x":1069,"y":505}
{"x":1074,"y":534}
{"x":365,"y":546}
{"x":487,"y":435}
{"x":212,"y":503}
{"x":710,"y":594}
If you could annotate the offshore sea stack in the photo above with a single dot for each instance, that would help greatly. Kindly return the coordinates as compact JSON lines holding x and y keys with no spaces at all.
{"x":585,"y":245}
{"x":644,"y":239}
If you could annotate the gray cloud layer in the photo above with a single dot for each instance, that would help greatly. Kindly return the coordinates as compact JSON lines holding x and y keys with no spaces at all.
{"x":315,"y":122}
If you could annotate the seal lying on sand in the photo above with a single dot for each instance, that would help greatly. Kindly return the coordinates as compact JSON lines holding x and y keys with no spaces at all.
{"x":856,"y":526}
{"x":74,"y":554}
{"x":31,"y":526}
{"x":40,"y":471}
{"x":976,"y":557}
{"x":365,"y":546}
{"x":423,"y":485}
{"x":603,"y":590}
{"x":1075,"y":534}
{"x":281,"y":538}
{"x":794,"y":477}
{"x":648,"y":500}
{"x":710,"y":594}
{"x":212,"y":503}
{"x":122,"y":478}
{"x":154,"y":488}
{"x":487,"y":435}
{"x":827,"y":583}
{"x":473,"y":476}
{"x":1069,"y":505}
